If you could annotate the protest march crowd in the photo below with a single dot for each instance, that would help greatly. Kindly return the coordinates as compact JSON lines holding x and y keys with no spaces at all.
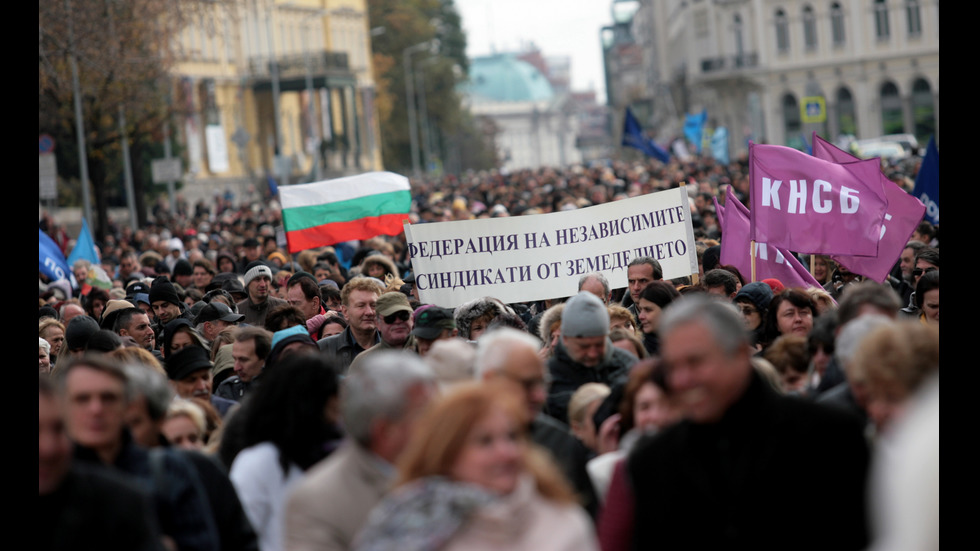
{"x":201,"y":388}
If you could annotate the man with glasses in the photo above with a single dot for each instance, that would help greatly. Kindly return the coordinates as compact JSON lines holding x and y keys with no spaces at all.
{"x":394,"y":320}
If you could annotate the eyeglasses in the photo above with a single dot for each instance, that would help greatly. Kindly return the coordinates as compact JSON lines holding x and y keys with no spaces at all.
{"x":400,"y":315}
{"x":917,"y":272}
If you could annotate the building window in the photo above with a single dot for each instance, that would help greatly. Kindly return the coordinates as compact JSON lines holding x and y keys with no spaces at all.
{"x":914,"y":17}
{"x":809,"y":28}
{"x":837,"y":23}
{"x":739,"y":45}
{"x":792,"y":123}
{"x":846,"y":113}
{"x":882,"y":31}
{"x":923,"y":110}
{"x":782,"y":32}
{"x":891,"y":110}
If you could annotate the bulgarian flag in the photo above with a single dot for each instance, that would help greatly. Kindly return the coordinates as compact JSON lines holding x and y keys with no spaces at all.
{"x":356,"y":207}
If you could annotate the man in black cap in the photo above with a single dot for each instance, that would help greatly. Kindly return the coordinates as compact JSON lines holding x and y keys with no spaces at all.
{"x":165,"y":302}
{"x":189,"y":371}
{"x":215,"y":318}
{"x":433,"y":324}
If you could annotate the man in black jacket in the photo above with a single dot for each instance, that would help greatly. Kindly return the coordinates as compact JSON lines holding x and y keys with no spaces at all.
{"x":747,"y":467}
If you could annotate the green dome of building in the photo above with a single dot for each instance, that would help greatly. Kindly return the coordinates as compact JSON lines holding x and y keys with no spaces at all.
{"x":503,"y":77}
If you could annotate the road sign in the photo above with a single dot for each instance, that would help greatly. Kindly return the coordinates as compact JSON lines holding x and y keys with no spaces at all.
{"x":47,"y":176}
{"x":45,"y":143}
{"x":165,"y":170}
{"x":814,"y":109}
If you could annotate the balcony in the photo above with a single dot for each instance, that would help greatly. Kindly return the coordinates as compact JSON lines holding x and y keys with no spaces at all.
{"x":729,"y":63}
{"x":328,"y":69}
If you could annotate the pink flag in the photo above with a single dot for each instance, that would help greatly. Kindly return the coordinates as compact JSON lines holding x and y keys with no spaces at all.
{"x":903,"y":215}
{"x":809,"y":205}
{"x":770,"y":261}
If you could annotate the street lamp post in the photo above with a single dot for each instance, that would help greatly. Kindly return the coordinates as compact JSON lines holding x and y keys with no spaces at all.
{"x":410,"y":102}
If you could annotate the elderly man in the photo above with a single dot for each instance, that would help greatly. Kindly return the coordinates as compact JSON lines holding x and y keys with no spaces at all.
{"x":258,"y":286}
{"x":583,"y":353}
{"x":706,"y":482}
{"x":359,"y":301}
{"x":597,"y":284}
{"x":394,"y":319}
{"x":215,"y":318}
{"x":511,"y":355}
{"x":380,"y":404}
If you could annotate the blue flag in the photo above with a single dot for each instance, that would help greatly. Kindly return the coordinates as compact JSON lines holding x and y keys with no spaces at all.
{"x":84,"y":247}
{"x":273,"y":187}
{"x":927,"y":182}
{"x":50,"y":261}
{"x":719,"y":145}
{"x":633,"y":137}
{"x":694,"y":128}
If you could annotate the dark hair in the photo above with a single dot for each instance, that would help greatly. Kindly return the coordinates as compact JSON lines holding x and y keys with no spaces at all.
{"x":926,"y":228}
{"x":882,"y":297}
{"x":94,"y":295}
{"x":929,"y":254}
{"x":287,"y":409}
{"x":206,"y":264}
{"x":284,"y":316}
{"x":307,"y":283}
{"x":507,"y":320}
{"x":796,"y":297}
{"x":124,"y":317}
{"x":720,"y":277}
{"x":262,"y":338}
{"x":928,"y":282}
{"x":658,"y":271}
{"x":822,"y":336}
{"x":660,"y":293}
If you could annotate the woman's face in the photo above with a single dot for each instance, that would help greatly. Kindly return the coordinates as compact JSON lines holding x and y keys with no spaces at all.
{"x":930,"y":306}
{"x":479,"y":326}
{"x":226,"y":265}
{"x":820,"y":269}
{"x":652,"y":409}
{"x":182,"y":432}
{"x":625,"y":324}
{"x":649,"y":314}
{"x":793,"y":320}
{"x":491,"y":455}
{"x":180,"y":341}
{"x":97,"y":307}
{"x":55,"y":337}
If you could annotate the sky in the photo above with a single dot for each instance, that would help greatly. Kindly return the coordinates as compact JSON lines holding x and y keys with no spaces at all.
{"x":557,"y":27}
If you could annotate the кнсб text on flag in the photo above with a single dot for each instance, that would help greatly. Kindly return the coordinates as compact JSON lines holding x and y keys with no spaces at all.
{"x":809,"y":205}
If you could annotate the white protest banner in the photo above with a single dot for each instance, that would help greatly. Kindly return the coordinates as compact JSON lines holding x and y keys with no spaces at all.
{"x":543,"y":256}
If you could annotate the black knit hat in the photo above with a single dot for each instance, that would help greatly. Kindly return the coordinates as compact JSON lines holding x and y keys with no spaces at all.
{"x":162,"y":289}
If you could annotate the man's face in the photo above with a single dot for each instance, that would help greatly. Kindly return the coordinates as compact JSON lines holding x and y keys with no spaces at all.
{"x":127,"y":266}
{"x":141,"y":331}
{"x":424,"y":345}
{"x":638,"y":277}
{"x":165,"y":311}
{"x":922,"y":266}
{"x":252,"y":253}
{"x":309,"y":307}
{"x":588,"y":351}
{"x":705,"y":380}
{"x":525,"y":368}
{"x":907,"y":262}
{"x":594,"y":286}
{"x":201,"y":277}
{"x":53,"y":446}
{"x":258,"y":289}
{"x":396,"y":331}
{"x":95,"y":404}
{"x":212,"y":328}
{"x":195,"y":385}
{"x":71,"y":311}
{"x":247,"y":363}
{"x":360,"y":310}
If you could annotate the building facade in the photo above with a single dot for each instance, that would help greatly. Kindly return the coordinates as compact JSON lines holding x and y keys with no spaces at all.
{"x":275,"y":88}
{"x":770,"y":70}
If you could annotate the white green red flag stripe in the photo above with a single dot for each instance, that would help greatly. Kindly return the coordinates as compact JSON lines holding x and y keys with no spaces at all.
{"x":356,"y":207}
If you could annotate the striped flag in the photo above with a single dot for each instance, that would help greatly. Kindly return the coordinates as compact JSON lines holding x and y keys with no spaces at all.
{"x":356,"y":207}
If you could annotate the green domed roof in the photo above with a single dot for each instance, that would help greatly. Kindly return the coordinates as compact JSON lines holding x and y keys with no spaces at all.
{"x":503,"y":77}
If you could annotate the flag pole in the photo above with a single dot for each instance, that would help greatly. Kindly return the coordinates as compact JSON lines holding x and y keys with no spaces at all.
{"x":752,"y":257}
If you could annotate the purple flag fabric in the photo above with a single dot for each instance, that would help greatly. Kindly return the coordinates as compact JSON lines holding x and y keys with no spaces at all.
{"x":903,"y":215}
{"x":810,"y":205}
{"x":771,"y":262}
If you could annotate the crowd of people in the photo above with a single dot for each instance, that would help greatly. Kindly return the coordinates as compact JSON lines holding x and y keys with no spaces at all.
{"x":223,"y":394}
